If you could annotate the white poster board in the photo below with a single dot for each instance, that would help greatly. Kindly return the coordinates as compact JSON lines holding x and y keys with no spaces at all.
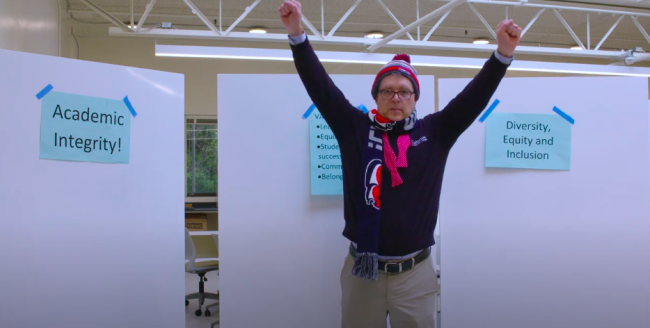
{"x":535,"y":248}
{"x":87,"y":244}
{"x":281,"y":248}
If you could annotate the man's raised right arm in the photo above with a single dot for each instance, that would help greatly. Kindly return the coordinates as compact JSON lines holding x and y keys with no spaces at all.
{"x":327,"y":97}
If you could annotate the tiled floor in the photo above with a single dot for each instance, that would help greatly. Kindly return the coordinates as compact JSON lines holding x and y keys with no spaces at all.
{"x":192,"y":286}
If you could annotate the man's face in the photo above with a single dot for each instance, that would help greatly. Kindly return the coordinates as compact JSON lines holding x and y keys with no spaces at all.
{"x":396,"y":98}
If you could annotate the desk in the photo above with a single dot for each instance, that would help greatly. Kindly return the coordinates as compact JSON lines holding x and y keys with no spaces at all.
{"x":204,"y":233}
{"x":203,"y":259}
{"x":201,"y":211}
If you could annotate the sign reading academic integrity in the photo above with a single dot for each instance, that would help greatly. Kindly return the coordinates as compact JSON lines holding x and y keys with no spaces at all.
{"x":83,"y":128}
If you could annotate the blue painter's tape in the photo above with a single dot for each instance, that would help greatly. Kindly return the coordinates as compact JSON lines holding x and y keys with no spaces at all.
{"x":489,"y":110}
{"x":362,"y":108}
{"x":308,"y":112}
{"x":564,"y":115}
{"x":43,"y":92}
{"x":128,"y":104}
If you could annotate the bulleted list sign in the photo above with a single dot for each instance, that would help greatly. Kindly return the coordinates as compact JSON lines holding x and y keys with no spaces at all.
{"x":325,"y":158}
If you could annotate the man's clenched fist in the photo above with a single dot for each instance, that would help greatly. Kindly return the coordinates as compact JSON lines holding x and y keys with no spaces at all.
{"x":508,"y":35}
{"x":291,"y":17}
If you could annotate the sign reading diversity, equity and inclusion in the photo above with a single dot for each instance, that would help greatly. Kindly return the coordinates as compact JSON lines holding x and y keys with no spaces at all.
{"x":531,"y":141}
{"x":83,"y":128}
{"x":325,"y":158}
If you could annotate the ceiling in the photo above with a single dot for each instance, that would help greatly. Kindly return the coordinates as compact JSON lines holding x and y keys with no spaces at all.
{"x":462,"y":25}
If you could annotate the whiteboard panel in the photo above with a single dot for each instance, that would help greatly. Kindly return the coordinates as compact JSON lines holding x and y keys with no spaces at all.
{"x":533,"y":248}
{"x":91,"y":244}
{"x":281,"y":249}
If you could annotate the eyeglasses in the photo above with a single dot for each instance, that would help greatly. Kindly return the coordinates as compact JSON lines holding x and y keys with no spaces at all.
{"x":389,"y":94}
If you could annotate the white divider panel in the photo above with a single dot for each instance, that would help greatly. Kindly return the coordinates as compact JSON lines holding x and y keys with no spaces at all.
{"x":562,"y":249}
{"x":91,"y":244}
{"x":281,"y":248}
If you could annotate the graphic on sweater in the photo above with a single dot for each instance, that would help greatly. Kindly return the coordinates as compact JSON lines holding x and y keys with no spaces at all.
{"x":373,"y":183}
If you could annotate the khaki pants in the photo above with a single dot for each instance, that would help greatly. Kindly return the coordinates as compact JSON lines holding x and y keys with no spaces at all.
{"x":408,"y":298}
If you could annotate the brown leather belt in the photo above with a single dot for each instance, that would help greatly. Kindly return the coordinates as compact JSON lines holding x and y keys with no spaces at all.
{"x":399,"y":266}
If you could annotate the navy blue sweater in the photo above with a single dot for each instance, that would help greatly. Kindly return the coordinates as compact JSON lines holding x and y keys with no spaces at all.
{"x":409,"y":212}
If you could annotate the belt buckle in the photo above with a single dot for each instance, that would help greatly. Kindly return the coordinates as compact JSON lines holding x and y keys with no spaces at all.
{"x":398,"y":264}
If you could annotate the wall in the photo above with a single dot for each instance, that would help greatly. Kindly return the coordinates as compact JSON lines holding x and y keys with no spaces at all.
{"x":30,"y":26}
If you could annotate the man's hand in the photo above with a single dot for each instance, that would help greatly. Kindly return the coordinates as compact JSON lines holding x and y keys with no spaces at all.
{"x":508,"y":35}
{"x":291,"y":17}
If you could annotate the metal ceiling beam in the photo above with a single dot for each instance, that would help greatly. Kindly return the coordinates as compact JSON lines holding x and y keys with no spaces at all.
{"x":322,"y":16}
{"x":417,"y":15}
{"x":147,"y":10}
{"x":609,"y":32}
{"x":568,"y":28}
{"x":357,"y":41}
{"x":532,"y":22}
{"x":426,"y":37}
{"x":454,"y":62}
{"x":273,"y":20}
{"x":257,"y":19}
{"x":381,"y":3}
{"x":588,"y":33}
{"x":311,"y":27}
{"x":106,"y":15}
{"x":202,"y":17}
{"x":432,"y":15}
{"x":132,"y":21}
{"x":243,"y":15}
{"x":347,"y":14}
{"x":394,"y":39}
{"x":574,"y":7}
{"x":641,"y":29}
{"x":480,"y":17}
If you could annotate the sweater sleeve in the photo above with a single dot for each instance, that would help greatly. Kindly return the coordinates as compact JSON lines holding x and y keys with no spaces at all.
{"x":461,"y":111}
{"x":337,"y":111}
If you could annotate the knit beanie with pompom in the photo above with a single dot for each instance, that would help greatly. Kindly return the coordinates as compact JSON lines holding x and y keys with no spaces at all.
{"x":401,"y":64}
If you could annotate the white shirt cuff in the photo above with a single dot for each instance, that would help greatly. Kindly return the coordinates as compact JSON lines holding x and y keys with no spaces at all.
{"x":296,"y":40}
{"x":505,"y":60}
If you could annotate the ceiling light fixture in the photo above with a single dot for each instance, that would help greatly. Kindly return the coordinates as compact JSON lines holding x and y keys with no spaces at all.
{"x":481,"y":41}
{"x":374,"y":35}
{"x":257,"y":30}
{"x":382,"y":59}
{"x":576,"y":47}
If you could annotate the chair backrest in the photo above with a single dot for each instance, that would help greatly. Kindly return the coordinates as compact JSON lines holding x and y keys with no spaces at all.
{"x":206,"y":246}
{"x":200,"y":247}
{"x":216,"y":242}
{"x":190,"y":250}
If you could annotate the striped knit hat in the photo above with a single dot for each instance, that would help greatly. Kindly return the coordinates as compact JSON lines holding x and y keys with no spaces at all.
{"x":401,"y":64}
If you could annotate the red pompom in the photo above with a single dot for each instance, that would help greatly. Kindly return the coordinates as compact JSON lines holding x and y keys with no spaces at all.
{"x":403,"y":57}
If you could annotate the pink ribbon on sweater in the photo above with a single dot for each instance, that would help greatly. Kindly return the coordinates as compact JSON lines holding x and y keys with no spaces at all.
{"x":392,"y":161}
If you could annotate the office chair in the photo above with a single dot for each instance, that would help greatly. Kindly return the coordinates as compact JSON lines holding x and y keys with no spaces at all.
{"x":207,"y":307}
{"x":199,"y":268}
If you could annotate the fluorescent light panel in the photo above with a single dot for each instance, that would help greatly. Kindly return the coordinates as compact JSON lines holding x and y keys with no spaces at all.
{"x":374,"y":35}
{"x":257,"y":30}
{"x":382,"y":59}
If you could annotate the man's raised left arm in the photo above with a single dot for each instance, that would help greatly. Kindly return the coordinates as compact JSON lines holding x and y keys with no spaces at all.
{"x":461,"y":111}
